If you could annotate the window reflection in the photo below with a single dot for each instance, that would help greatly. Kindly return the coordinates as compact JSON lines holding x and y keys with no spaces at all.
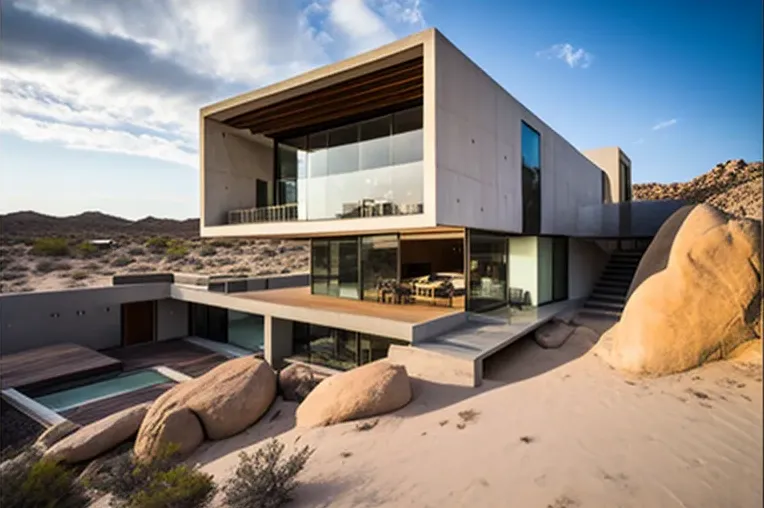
{"x":531,"y":179}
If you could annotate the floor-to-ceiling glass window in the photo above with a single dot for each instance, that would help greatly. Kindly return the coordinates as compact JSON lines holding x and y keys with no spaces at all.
{"x":208,"y":322}
{"x":363,"y":169}
{"x":379,"y":263}
{"x":560,"y":269}
{"x":334,"y":267}
{"x":336,"y":348}
{"x":488,"y":271}
{"x":246,"y":330}
{"x":531,"y":179}
{"x":523,"y":270}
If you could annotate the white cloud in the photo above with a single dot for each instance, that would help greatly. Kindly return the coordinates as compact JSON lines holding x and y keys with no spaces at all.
{"x":568,"y":54}
{"x":662,"y":125}
{"x":639,"y":141}
{"x":130,"y":77}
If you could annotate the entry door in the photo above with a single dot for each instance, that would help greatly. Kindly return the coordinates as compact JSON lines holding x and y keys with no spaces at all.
{"x":138,"y":320}
{"x":262,"y":193}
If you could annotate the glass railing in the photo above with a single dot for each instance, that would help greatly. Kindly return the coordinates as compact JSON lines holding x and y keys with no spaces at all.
{"x":630,"y":219}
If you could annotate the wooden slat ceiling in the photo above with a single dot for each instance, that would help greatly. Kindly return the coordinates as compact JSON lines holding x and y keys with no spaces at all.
{"x":401,"y":84}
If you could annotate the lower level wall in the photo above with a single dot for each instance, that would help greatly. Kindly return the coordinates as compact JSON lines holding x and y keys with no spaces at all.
{"x":90,"y":317}
{"x":172,"y":319}
{"x":586,"y":261}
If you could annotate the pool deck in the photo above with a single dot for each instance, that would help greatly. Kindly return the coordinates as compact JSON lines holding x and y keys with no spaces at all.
{"x":177,"y":354}
{"x":52,"y":365}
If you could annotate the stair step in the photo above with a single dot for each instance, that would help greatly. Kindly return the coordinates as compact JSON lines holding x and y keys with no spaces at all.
{"x":610,"y":297}
{"x":616,"y":279}
{"x":611,"y":289}
{"x":592,"y":304}
{"x":600,"y":313}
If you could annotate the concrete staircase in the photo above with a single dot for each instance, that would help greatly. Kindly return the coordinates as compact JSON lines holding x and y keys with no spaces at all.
{"x":609,"y":295}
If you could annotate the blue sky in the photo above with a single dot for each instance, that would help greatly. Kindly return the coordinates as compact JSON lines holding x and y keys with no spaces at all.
{"x":99,"y":99}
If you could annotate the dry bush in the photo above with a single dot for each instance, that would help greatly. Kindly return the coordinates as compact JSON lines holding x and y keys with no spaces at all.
{"x":50,"y":247}
{"x":122,"y":261}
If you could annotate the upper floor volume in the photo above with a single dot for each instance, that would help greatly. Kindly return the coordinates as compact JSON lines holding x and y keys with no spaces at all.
{"x":410,"y":136}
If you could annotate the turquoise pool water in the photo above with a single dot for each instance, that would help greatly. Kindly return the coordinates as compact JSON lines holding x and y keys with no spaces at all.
{"x":73,"y":397}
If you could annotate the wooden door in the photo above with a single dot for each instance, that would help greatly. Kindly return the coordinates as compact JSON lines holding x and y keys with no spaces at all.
{"x":138,"y":323}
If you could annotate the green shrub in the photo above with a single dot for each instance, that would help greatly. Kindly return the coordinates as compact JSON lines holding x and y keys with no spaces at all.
{"x":31,"y":482}
{"x":162,"y":482}
{"x":176,"y":251}
{"x":88,"y":250}
{"x":265,"y":479}
{"x":50,"y":247}
{"x":207,"y":250}
{"x":122,"y":261}
{"x":157,"y":244}
{"x":79,"y":275}
{"x":222,"y":243}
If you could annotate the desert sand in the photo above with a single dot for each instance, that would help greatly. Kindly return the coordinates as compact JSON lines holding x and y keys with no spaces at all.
{"x":550,"y":428}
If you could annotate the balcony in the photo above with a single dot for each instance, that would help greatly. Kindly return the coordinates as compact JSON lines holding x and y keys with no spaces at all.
{"x":276,"y":213}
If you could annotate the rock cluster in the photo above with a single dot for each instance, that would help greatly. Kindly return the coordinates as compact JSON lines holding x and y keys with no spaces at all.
{"x":734,"y":187}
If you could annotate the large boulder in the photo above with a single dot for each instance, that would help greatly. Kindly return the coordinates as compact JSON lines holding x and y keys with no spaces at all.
{"x":296,"y":382}
{"x":700,"y":307}
{"x":55,"y":434}
{"x":98,"y":437}
{"x":372,"y":389}
{"x":219,"y":404}
{"x":553,"y":335}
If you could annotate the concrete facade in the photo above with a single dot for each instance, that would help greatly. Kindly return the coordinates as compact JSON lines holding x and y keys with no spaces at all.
{"x":610,"y":159}
{"x":172,"y":319}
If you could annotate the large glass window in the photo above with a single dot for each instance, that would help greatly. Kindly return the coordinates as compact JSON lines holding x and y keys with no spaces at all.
{"x":338,"y":349}
{"x":379,"y":262}
{"x":334,"y":267}
{"x":531,"y":179}
{"x":488,"y":271}
{"x":246,"y":330}
{"x":365,"y":169}
{"x":545,"y":270}
{"x":560,"y":269}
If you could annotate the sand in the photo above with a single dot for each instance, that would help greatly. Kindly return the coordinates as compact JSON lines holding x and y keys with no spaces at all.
{"x":551,"y":428}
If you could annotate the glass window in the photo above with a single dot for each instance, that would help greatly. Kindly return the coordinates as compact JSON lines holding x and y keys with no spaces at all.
{"x":334,"y":268}
{"x":246,"y":330}
{"x":560,"y":269}
{"x":342,"y":156}
{"x":531,"y":179}
{"x":407,"y":120}
{"x":317,"y":144}
{"x":545,"y":270}
{"x":347,"y":268}
{"x":320,"y":267}
{"x":408,"y":139}
{"x":375,"y":148}
{"x":379,"y":264}
{"x":523,"y":270}
{"x":488,"y":271}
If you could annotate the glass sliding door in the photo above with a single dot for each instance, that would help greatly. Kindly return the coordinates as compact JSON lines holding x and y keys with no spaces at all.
{"x":334,"y":268}
{"x":319,"y":267}
{"x":531,"y":179}
{"x":379,"y":263}
{"x":246,"y":330}
{"x":347,"y":268}
{"x":545,"y":270}
{"x":488,"y":271}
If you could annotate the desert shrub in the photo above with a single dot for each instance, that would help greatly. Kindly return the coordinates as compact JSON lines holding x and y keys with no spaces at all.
{"x":88,"y":250}
{"x":265,"y":479}
{"x":62,"y":266}
{"x":50,"y":247}
{"x":44,"y":267}
{"x":11,"y":275}
{"x":207,"y":250}
{"x":30,"y":482}
{"x":136,"y":251}
{"x":176,"y":250}
{"x":122,"y":261}
{"x":162,"y":482}
{"x":92,"y":267}
{"x":221,"y":243}
{"x":79,"y":275}
{"x":157,"y":244}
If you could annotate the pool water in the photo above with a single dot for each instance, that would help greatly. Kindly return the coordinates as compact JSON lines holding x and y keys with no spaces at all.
{"x":74,"y":397}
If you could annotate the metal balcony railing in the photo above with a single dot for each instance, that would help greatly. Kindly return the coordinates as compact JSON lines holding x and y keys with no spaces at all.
{"x":276,"y":213}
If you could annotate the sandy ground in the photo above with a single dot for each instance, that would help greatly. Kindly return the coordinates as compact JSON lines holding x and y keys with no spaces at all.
{"x":553,"y":428}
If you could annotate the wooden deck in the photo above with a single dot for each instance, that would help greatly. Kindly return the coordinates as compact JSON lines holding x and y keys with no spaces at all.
{"x":301,"y":297}
{"x":180,"y":355}
{"x":96,"y":410}
{"x":53,"y":365}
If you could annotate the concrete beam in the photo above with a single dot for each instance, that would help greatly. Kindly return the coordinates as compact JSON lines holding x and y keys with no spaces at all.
{"x":278,"y":341}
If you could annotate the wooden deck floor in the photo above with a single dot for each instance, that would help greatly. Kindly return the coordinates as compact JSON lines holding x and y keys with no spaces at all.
{"x":52,"y":365}
{"x":180,"y":355}
{"x":94,"y":411}
{"x":301,"y":297}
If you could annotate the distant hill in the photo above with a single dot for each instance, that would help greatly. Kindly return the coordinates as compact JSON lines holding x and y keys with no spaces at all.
{"x":93,"y":224}
{"x":734,"y":186}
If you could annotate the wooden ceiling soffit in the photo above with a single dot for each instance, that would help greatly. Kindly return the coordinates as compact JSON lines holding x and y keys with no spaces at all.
{"x":371,"y":91}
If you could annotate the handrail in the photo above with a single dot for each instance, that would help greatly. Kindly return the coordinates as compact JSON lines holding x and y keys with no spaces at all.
{"x":275,"y":213}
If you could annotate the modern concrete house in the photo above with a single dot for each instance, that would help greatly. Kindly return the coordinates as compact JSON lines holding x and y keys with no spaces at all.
{"x":445,"y":221}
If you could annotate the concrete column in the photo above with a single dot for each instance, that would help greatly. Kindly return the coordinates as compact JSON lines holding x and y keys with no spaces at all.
{"x":278,"y":340}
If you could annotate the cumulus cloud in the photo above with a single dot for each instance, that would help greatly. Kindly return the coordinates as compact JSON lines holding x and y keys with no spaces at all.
{"x":662,"y":125}
{"x":130,"y":77}
{"x":568,"y":54}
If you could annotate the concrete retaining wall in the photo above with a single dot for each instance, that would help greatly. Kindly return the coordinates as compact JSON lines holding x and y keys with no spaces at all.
{"x":436,"y":367}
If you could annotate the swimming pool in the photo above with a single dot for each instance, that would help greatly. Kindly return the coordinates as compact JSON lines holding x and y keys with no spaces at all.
{"x":124,"y":383}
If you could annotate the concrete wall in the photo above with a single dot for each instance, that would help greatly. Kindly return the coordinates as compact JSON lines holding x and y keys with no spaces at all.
{"x":172,"y":319}
{"x":279,"y":340}
{"x":90,"y":317}
{"x":232,"y":164}
{"x":436,"y":367}
{"x":608,"y":159}
{"x":586,"y":260}
{"x":478,"y":155}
